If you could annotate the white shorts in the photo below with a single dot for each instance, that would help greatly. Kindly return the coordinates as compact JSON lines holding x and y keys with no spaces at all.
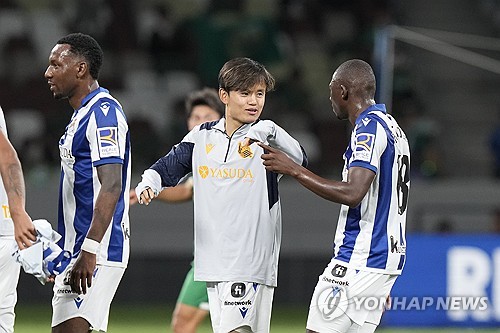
{"x":9,"y":276}
{"x":241,"y":306}
{"x":94,"y":305}
{"x":360,"y":295}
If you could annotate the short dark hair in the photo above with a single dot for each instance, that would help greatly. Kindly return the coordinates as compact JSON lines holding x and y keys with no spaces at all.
{"x":244,"y":73}
{"x":205,"y":96}
{"x":358,"y":75}
{"x":87,"y":47}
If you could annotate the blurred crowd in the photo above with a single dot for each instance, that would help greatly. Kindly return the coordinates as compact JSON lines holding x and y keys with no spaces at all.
{"x":157,"y":51}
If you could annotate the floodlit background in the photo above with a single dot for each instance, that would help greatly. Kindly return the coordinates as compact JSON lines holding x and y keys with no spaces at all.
{"x":438,"y":69}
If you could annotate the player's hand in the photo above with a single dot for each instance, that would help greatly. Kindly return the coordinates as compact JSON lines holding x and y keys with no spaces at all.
{"x":82,"y":271}
{"x":133,"y":197}
{"x":277,"y":161}
{"x":147,"y":196}
{"x":24,"y":230}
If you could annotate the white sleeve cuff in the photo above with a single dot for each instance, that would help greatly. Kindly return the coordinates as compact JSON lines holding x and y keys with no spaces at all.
{"x":151,"y":179}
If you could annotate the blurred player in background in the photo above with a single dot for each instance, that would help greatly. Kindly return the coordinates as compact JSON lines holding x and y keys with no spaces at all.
{"x":192,"y":304}
{"x":95,"y":176}
{"x":236,"y":203}
{"x":15,"y":226}
{"x":370,"y":245}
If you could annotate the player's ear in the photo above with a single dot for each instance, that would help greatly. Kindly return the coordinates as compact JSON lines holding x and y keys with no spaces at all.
{"x":344,"y":92}
{"x":82,"y":68}
{"x":223,"y":95}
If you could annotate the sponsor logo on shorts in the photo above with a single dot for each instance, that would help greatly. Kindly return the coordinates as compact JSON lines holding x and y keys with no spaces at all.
{"x":78,"y":301}
{"x":238,"y":303}
{"x":337,"y":282}
{"x":64,"y":291}
{"x":339,"y":270}
{"x":238,"y":289}
{"x":243,"y":311}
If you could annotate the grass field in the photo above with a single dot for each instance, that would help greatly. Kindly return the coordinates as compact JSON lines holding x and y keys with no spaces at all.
{"x":156,"y":319}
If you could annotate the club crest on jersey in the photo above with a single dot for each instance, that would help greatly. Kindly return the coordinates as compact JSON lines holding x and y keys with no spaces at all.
{"x":245,"y":151}
{"x":108,"y":141}
{"x":364,"y":147}
{"x":209,"y":147}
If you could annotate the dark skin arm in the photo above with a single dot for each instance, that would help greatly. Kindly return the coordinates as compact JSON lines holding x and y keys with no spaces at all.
{"x":110,"y":178}
{"x":12,"y":177}
{"x":349,"y":193}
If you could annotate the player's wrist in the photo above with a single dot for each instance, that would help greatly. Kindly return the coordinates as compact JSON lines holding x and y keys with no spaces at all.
{"x":90,"y":245}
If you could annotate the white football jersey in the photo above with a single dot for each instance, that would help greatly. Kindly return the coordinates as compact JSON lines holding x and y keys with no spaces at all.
{"x":97,"y":134}
{"x":6,"y":224}
{"x":371,"y":236}
{"x":237,"y":213}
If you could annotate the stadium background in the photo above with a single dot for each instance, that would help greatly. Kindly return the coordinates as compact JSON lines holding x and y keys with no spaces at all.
{"x":157,"y":51}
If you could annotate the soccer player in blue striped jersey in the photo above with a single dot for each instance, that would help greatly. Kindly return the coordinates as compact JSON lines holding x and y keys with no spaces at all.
{"x":95,"y":177}
{"x":369,"y":246}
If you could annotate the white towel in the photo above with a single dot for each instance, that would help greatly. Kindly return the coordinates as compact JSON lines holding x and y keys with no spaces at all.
{"x":44,"y":258}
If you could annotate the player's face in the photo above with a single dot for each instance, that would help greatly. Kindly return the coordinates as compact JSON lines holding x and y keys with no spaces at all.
{"x":61,"y":74}
{"x":244,"y":106}
{"x":201,"y":114}
{"x":336,"y":98}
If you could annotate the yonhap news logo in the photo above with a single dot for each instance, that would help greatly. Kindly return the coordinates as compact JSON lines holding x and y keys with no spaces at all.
{"x":446,"y":303}
{"x":332,"y":302}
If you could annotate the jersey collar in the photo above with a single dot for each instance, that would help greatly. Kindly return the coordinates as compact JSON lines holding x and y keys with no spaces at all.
{"x":374,"y":107}
{"x":221,"y":125}
{"x":91,"y":95}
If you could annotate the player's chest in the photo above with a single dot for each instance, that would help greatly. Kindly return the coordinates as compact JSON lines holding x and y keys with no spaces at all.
{"x":73,"y":143}
{"x":227,"y":159}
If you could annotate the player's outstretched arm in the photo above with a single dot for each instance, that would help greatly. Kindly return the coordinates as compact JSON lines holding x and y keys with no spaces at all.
{"x":180,"y":193}
{"x":12,"y":176}
{"x":348,"y":193}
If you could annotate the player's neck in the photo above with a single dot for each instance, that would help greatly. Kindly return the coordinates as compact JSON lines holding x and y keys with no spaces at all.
{"x":82,"y":91}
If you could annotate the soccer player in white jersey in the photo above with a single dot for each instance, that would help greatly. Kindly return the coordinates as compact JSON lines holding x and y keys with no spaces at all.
{"x":369,"y":246}
{"x":15,"y":226}
{"x":95,"y":177}
{"x":191,"y":307}
{"x":236,"y":203}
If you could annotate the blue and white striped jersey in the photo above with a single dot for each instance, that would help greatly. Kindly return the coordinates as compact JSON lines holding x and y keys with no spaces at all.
{"x":6,"y":224}
{"x":371,"y":236}
{"x":237,"y":213}
{"x":97,"y":134}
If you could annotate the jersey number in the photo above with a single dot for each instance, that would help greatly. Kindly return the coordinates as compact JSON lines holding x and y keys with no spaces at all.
{"x":403,"y":180}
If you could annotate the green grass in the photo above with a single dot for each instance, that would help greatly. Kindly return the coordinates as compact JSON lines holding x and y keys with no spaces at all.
{"x":156,"y":319}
